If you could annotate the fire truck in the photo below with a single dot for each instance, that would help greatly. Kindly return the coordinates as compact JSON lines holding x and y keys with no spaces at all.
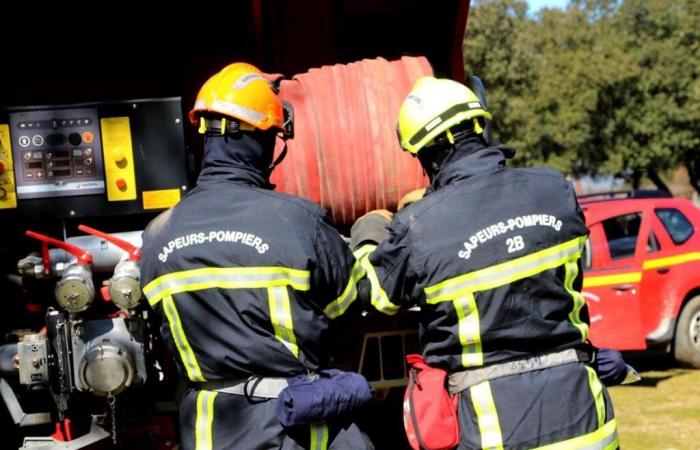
{"x":93,"y":146}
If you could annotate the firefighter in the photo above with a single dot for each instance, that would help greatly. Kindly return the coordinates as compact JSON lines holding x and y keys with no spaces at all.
{"x":246,"y":280}
{"x":492,"y":257}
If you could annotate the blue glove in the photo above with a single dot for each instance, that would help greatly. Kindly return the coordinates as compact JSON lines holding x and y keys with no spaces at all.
{"x":610,"y":366}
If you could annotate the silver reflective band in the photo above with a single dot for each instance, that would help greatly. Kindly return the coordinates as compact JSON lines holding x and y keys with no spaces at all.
{"x":239,"y":111}
{"x":459,"y":381}
{"x":602,"y":445}
{"x":267,"y":387}
{"x":204,"y":421}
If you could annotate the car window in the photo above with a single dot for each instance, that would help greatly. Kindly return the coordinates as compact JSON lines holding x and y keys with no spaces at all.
{"x":621,"y":233}
{"x":653,"y":244}
{"x":678,"y":226}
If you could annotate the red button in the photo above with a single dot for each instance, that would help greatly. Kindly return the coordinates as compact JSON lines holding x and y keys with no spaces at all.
{"x":2,"y":168}
{"x":88,"y":137}
{"x":121,"y":184}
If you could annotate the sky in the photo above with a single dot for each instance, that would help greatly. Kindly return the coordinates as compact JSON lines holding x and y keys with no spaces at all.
{"x":536,"y":5}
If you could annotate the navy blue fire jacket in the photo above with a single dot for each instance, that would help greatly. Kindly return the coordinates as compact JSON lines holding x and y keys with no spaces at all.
{"x":491,"y":255}
{"x":246,"y":279}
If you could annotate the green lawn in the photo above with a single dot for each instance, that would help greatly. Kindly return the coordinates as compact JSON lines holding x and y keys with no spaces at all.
{"x":660,"y":412}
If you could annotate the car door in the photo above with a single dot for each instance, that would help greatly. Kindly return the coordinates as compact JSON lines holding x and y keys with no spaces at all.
{"x":663,"y":286}
{"x":611,"y":284}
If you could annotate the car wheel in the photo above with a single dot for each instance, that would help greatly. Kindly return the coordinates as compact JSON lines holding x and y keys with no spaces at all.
{"x":687,"y":342}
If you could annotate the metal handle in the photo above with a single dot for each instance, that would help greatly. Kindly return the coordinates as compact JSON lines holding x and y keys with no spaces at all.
{"x":663,"y":270}
{"x":84,"y":257}
{"x":133,"y":251}
{"x":624,"y":287}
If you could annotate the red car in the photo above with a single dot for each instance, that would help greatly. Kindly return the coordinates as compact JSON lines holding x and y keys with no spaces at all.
{"x":642,"y":273}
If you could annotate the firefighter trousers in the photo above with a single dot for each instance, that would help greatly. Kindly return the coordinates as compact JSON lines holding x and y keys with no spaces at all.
{"x":560,"y":407}
{"x":216,"y":421}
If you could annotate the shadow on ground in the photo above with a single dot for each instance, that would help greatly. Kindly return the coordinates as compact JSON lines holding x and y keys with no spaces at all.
{"x":654,"y":368}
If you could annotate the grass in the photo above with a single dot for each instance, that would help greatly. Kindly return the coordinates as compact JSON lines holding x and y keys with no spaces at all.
{"x":662,"y":411}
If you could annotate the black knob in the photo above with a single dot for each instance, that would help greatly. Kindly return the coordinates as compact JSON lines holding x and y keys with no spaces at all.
{"x":75,"y":139}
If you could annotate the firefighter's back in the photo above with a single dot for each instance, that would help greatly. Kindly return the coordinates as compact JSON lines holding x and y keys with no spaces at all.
{"x":232,"y":262}
{"x":499,"y":288}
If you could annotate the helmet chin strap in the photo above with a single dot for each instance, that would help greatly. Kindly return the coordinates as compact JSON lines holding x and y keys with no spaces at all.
{"x":433,"y":160}
{"x":281,"y":156}
{"x":286,"y":133}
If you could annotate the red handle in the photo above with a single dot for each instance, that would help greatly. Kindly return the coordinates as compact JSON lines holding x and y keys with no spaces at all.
{"x":84,"y":257}
{"x":133,"y":251}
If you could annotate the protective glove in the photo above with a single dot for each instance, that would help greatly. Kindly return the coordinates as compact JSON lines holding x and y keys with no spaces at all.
{"x":370,"y":228}
{"x":411,"y":197}
{"x":610,"y":366}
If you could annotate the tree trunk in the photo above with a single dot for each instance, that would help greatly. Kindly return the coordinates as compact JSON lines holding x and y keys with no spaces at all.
{"x":636,"y":178}
{"x":693,"y":167}
{"x":656,"y":179}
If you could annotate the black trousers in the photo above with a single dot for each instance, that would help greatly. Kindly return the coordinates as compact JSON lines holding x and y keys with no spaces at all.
{"x":213,"y":421}
{"x":565,"y":405}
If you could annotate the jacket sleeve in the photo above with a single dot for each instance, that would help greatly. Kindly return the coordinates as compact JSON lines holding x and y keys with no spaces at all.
{"x":390,"y":279}
{"x":581,"y":229}
{"x":147,"y":265}
{"x":336,"y":272}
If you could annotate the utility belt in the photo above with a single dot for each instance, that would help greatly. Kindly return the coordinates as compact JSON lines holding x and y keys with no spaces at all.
{"x":460,"y":381}
{"x":253,"y":386}
{"x":302,"y":399}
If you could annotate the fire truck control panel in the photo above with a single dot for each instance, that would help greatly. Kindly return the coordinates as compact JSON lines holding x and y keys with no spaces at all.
{"x":58,"y":153}
{"x":92,"y":160}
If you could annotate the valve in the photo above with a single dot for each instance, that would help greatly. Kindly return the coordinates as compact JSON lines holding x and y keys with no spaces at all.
{"x":133,"y":251}
{"x":124,"y":287}
{"x":84,"y":257}
{"x":75,"y":290}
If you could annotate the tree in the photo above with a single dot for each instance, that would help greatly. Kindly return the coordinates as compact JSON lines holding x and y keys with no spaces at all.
{"x":660,"y":116}
{"x":604,"y":86}
{"x":495,"y":49}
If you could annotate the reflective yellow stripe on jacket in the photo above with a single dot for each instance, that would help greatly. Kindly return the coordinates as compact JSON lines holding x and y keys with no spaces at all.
{"x":189,"y":361}
{"x":460,"y":291}
{"x":338,"y":306}
{"x":379,"y":298}
{"x":275,"y":279}
{"x":225,"y":278}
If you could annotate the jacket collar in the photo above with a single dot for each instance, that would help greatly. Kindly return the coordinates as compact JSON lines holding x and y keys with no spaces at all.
{"x":466,"y":164}
{"x":241,"y":160}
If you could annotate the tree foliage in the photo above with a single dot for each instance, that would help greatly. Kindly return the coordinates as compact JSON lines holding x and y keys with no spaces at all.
{"x":602,"y":87}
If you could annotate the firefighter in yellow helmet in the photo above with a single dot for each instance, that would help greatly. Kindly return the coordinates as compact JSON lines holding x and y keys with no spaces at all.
{"x":247,"y":282}
{"x":492,"y":257}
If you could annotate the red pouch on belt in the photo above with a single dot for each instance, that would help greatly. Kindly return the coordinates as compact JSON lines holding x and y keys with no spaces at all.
{"x":429,"y":412}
